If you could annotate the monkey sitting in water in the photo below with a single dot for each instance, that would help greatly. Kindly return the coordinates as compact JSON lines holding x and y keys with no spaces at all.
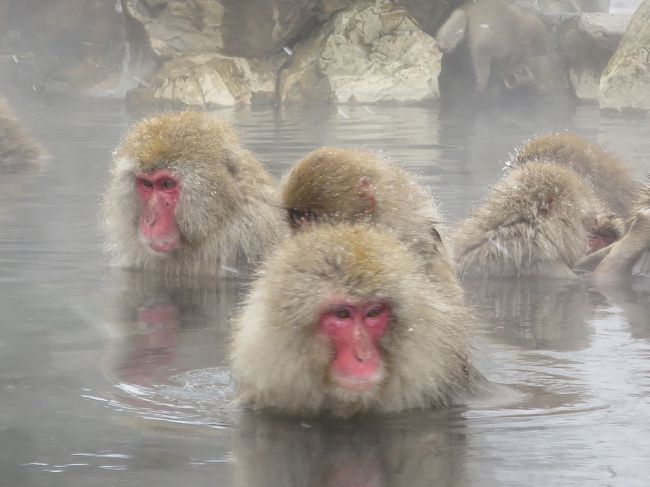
{"x":184,"y":198}
{"x":542,"y":220}
{"x":19,"y":152}
{"x":343,"y":320}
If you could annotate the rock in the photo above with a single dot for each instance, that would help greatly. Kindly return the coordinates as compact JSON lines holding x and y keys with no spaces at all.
{"x":247,"y":28}
{"x":370,"y":52}
{"x":569,"y":6}
{"x":214,"y":80}
{"x":429,"y":15}
{"x":587,"y":43}
{"x":625,"y":83}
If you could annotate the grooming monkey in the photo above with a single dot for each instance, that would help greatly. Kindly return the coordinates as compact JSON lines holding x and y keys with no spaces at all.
{"x":185,"y":198}
{"x":540,"y":219}
{"x":344,"y":185}
{"x":343,"y":321}
{"x":610,"y":178}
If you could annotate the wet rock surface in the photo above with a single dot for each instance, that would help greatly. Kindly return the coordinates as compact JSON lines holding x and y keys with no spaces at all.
{"x":371,"y":52}
{"x":587,"y":42}
{"x":625,"y":84}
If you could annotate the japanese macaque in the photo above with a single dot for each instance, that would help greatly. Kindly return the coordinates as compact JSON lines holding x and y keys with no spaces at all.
{"x":343,"y":321}
{"x":344,"y":185}
{"x":185,"y":198}
{"x":19,"y":152}
{"x":610,"y":178}
{"x":540,"y":219}
{"x":499,"y":36}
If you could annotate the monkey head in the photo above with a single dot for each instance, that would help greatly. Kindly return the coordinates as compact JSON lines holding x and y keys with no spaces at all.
{"x":182,"y":189}
{"x":343,"y":321}
{"x":331,"y":184}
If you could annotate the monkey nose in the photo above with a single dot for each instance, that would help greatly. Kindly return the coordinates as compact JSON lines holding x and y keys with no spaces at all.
{"x":362,"y":346}
{"x":150,"y":219}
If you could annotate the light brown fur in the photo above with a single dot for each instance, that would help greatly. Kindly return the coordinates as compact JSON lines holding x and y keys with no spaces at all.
{"x":345,"y":185}
{"x":610,"y":178}
{"x":19,"y":152}
{"x":500,"y":37}
{"x":227,"y":212}
{"x":535,"y":221}
{"x":279,"y":361}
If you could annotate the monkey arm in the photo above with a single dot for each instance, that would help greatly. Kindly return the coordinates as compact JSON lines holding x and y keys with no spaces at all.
{"x":627,"y":251}
{"x":452,"y":31}
{"x":591,"y":261}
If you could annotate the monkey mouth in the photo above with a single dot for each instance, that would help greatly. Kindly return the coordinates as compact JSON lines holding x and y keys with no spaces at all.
{"x":357,"y":384}
{"x":163,"y":245}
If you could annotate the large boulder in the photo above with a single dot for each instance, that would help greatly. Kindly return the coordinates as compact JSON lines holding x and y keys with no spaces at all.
{"x":587,"y":42}
{"x":212,"y":80}
{"x":371,"y":52}
{"x":246,"y":28}
{"x":625,"y":84}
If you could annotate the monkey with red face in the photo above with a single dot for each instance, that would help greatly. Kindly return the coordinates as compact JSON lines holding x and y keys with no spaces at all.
{"x":344,"y":320}
{"x":185,"y":198}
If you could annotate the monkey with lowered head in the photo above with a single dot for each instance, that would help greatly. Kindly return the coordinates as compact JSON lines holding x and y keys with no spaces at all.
{"x":610,"y":178}
{"x":345,"y":185}
{"x":185,"y":198}
{"x":19,"y":152}
{"x":540,"y":219}
{"x":342,"y":321}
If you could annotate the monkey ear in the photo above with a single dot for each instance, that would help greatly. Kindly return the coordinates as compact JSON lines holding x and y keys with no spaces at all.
{"x":367,"y":195}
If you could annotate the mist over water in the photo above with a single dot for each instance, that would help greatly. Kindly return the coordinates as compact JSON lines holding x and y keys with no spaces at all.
{"x":116,"y":378}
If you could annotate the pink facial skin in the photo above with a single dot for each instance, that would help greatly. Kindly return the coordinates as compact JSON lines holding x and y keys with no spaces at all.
{"x":354,"y":330}
{"x":159,"y":192}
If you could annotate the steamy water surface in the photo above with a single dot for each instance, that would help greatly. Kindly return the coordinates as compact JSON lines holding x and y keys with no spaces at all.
{"x":116,"y":378}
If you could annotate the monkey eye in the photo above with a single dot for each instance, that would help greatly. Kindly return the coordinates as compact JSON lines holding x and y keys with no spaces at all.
{"x":168,"y":184}
{"x":299,"y":217}
{"x":375,"y":311}
{"x":342,"y":313}
{"x":146,"y":183}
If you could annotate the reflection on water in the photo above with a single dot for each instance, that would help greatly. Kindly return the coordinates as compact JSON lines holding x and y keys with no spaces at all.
{"x":110,"y":377}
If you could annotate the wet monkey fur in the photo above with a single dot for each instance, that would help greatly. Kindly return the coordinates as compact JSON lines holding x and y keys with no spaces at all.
{"x":185,"y":198}
{"x":343,"y":321}
{"x":344,"y":185}
{"x":540,"y":219}
{"x":611,"y":179}
{"x":19,"y":152}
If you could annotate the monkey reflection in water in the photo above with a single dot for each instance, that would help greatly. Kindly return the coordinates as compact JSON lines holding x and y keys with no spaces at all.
{"x":154,"y":321}
{"x":343,"y":320}
{"x":416,"y":449}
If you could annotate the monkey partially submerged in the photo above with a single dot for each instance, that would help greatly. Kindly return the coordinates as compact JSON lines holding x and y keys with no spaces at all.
{"x":343,"y":321}
{"x":540,"y":219}
{"x":19,"y":152}
{"x":334,"y":185}
{"x":185,"y":198}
